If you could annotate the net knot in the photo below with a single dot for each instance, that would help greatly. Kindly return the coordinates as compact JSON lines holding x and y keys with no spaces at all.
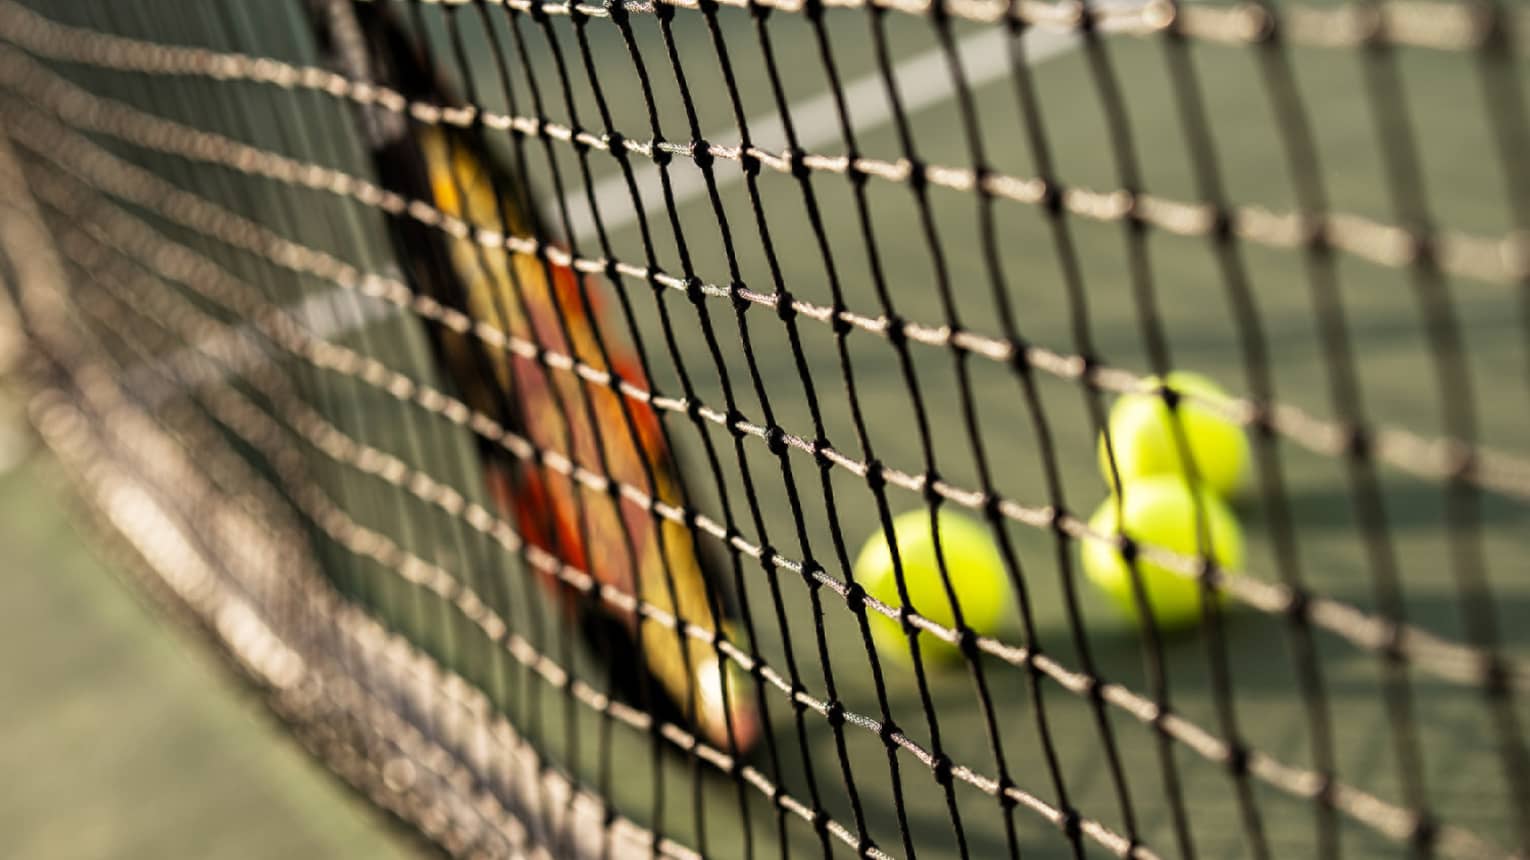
{"x":1051,"y":197}
{"x":1237,"y":759}
{"x":775,"y":440}
{"x":940,"y":767}
{"x":796,"y":158}
{"x":967,"y":643}
{"x":1357,"y":444}
{"x":1092,"y":688}
{"x":1324,"y":792}
{"x":992,"y":508}
{"x":1058,"y":520}
{"x":821,"y":449}
{"x":1423,"y":249}
{"x":856,"y":171}
{"x":1316,"y":235}
{"x":855,"y":597}
{"x":1020,"y":355}
{"x":874,"y":475}
{"x":981,"y":174}
{"x":1072,"y":823}
{"x":918,"y":176}
{"x":617,"y":10}
{"x":799,"y":697}
{"x":749,"y":162}
{"x":1495,"y":677}
{"x":813,"y":10}
{"x":906,"y":616}
{"x":888,"y":731}
{"x":1127,"y":548}
{"x":664,"y":11}
{"x":1392,"y":649}
{"x":538,"y":12}
{"x":693,"y":290}
{"x":1083,"y":17}
{"x":813,"y":574}
{"x":835,"y":714}
{"x":701,"y":153}
{"x":1005,"y":790}
{"x":683,"y":630}
{"x":929,"y":487}
{"x":1261,"y":421}
{"x":659,"y":146}
{"x":1222,"y":220}
{"x":1131,"y":211}
{"x":897,"y":330}
{"x":841,"y":320}
{"x":736,"y":295}
{"x":1299,"y":605}
{"x":786,"y":308}
{"x":1207,"y":572}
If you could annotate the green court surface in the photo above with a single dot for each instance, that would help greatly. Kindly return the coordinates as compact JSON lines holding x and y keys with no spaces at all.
{"x":119,"y":743}
{"x":1392,"y":362}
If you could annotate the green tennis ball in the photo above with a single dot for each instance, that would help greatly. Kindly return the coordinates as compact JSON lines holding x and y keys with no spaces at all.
{"x":1160,"y":512}
{"x":1142,"y":433}
{"x":972,"y":562}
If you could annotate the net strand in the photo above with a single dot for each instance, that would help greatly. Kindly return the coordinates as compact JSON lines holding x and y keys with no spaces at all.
{"x":251,"y":422}
{"x":586,"y":409}
{"x":1261,"y":383}
{"x":1458,"y":415}
{"x":1447,"y":660}
{"x":100,"y":390}
{"x":1447,"y":26}
{"x":1494,"y":259}
{"x":1366,"y":808}
{"x":247,"y":267}
{"x":383,"y":720}
{"x":1443,"y":458}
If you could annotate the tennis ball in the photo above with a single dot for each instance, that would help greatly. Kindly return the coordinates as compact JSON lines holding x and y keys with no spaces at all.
{"x":1160,"y":512}
{"x":1142,"y":432}
{"x":972,"y":562}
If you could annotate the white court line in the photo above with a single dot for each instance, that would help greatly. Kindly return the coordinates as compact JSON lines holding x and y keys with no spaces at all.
{"x":328,"y":313}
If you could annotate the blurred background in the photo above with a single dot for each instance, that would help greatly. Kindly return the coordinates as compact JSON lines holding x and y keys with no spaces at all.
{"x":115,"y":739}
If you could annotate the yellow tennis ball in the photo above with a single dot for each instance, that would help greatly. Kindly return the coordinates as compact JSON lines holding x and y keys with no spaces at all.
{"x":1160,"y":512}
{"x":973,"y":563}
{"x":1142,"y":433}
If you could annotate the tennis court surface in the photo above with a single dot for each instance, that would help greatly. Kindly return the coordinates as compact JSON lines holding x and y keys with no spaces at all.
{"x":882,"y":303}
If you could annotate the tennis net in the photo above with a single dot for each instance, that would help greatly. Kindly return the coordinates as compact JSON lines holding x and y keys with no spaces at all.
{"x":506,"y":388}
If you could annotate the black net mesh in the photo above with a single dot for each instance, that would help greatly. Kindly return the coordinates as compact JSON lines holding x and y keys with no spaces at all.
{"x":508,"y":388}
